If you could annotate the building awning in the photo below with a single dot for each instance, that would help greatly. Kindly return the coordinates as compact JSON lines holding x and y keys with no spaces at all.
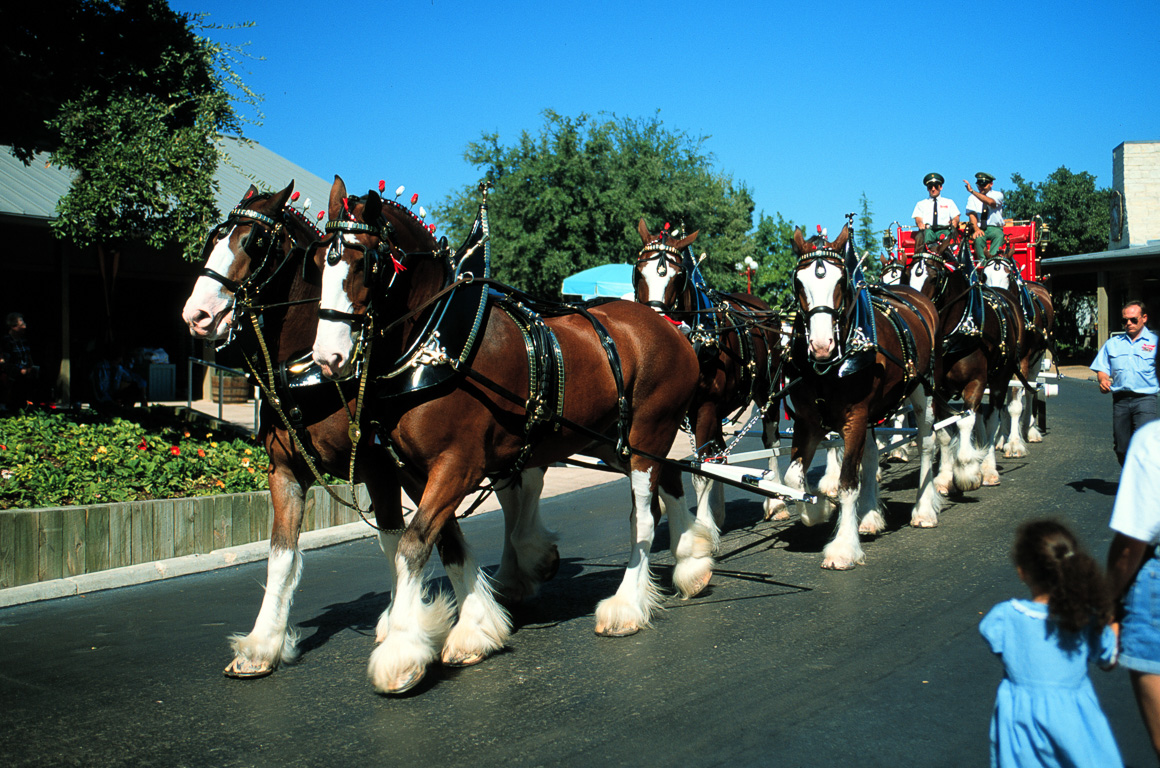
{"x":1119,"y":258}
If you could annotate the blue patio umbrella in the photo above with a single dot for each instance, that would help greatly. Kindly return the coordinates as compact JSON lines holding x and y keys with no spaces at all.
{"x":605,"y":280}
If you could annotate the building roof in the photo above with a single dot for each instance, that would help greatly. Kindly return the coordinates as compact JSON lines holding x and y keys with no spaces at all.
{"x":32,"y":191}
{"x":1092,"y":261}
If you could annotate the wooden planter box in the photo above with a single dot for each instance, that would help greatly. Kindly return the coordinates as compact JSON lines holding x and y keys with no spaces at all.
{"x":59,"y":542}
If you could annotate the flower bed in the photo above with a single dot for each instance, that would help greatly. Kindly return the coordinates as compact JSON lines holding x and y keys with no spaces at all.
{"x":58,"y":458}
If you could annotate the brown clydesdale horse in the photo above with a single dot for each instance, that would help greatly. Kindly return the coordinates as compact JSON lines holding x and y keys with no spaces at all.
{"x":981,"y":337}
{"x":620,"y":377}
{"x":1038,"y":314}
{"x":852,"y":377}
{"x":257,"y":264}
{"x":737,"y":338}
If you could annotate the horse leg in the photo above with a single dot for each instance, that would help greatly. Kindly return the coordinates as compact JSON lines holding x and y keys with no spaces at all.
{"x":691,"y":540}
{"x":992,"y":423}
{"x":710,"y":494}
{"x":928,"y":502}
{"x":872,"y":522}
{"x":483,"y":626}
{"x":969,"y":459}
{"x":845,"y":550}
{"x":946,"y":461}
{"x":631,"y":608}
{"x":415,"y":628}
{"x":530,"y":556}
{"x":805,"y":444}
{"x":775,"y":509}
{"x":1015,"y":447}
{"x":828,"y":485}
{"x":271,"y":642}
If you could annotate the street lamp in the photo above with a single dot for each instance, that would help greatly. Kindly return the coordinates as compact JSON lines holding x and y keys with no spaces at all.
{"x":747,"y":267}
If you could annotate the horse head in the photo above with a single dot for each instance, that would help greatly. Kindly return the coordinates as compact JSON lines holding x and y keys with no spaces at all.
{"x":823,"y":290}
{"x":892,"y":270}
{"x":929,"y":269}
{"x":999,"y":270}
{"x":660,"y":277}
{"x":374,"y":248}
{"x":247,"y":246}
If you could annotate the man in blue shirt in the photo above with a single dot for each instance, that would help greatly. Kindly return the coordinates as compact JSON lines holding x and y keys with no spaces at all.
{"x":1126,"y":367}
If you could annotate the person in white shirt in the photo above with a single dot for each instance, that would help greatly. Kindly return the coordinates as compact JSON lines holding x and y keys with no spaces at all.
{"x":985,"y":210}
{"x":935,"y":215}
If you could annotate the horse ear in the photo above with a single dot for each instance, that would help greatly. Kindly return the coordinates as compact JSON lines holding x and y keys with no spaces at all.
{"x":642,"y":229}
{"x":337,"y":193}
{"x":373,"y":207}
{"x":840,"y":243}
{"x":280,"y":198}
{"x":249,"y":193}
{"x":686,"y":241}
{"x":799,"y":242}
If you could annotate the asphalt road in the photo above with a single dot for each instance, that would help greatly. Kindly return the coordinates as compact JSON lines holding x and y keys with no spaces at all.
{"x":777,"y":663}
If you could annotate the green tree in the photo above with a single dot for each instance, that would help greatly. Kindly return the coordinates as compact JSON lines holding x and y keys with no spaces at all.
{"x":1076,"y":214}
{"x":1074,"y":209}
{"x":131,"y":98}
{"x":773,"y":241}
{"x":569,"y":198}
{"x":866,"y":240}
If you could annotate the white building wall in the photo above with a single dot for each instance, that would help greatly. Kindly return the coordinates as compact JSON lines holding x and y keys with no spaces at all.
{"x":1136,"y":175}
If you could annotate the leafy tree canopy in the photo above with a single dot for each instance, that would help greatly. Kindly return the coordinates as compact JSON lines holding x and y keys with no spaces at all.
{"x":773,"y":241}
{"x":1075,"y":210}
{"x":570,"y":197}
{"x":125,"y":93}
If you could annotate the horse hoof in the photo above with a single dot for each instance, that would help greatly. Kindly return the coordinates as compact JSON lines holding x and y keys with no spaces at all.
{"x":781,"y":514}
{"x":991,"y":483}
{"x":402,"y":683}
{"x":697,"y":586}
{"x":625,"y":631}
{"x":838,"y":565}
{"x":463,"y":659}
{"x":247,"y":669}
{"x":552,"y":567}
{"x":923,"y":523}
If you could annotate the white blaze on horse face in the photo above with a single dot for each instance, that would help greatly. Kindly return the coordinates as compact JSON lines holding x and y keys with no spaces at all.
{"x":654,"y":282}
{"x":819,"y":281}
{"x":209,"y":310}
{"x":334,"y":341}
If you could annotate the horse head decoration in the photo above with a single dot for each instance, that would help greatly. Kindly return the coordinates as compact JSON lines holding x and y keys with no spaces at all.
{"x":662,"y":276}
{"x":833,"y":302}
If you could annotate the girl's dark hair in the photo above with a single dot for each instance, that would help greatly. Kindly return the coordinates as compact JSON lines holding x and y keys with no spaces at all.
{"x":1052,"y":561}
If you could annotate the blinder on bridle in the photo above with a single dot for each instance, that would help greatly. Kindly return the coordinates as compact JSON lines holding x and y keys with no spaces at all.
{"x":258,"y":244}
{"x":819,"y":258}
{"x":374,"y":261}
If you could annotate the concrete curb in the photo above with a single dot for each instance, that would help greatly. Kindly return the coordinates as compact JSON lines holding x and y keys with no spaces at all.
{"x":143,"y":573}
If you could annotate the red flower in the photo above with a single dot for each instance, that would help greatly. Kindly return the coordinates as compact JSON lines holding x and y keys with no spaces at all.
{"x":175,"y":450}
{"x":142,"y":446}
{"x":3,"y":447}
{"x":200,"y":453}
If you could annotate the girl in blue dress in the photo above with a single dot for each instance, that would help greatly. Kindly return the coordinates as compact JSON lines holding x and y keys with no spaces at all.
{"x":1046,"y":711}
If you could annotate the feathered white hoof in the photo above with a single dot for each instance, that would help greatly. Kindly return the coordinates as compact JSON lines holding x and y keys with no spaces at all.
{"x":692,"y":575}
{"x":872,"y":523}
{"x":1034,"y":435}
{"x":828,"y":485}
{"x":399,"y":663}
{"x":775,"y":509}
{"x":1016,"y":450}
{"x":817,"y":513}
{"x":619,"y":617}
{"x":842,"y":557}
{"x":466,"y":646}
{"x":990,"y":480}
{"x":259,"y":656}
{"x":942,"y":485}
{"x":923,"y":519}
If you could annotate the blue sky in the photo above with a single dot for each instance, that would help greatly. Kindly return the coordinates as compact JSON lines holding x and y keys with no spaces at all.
{"x":807,"y":104}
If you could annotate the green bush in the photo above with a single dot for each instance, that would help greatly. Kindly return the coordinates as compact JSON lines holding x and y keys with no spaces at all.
{"x":50,"y":459}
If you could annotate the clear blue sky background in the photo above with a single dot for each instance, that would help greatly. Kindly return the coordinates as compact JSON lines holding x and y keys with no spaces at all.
{"x":808,"y":104}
